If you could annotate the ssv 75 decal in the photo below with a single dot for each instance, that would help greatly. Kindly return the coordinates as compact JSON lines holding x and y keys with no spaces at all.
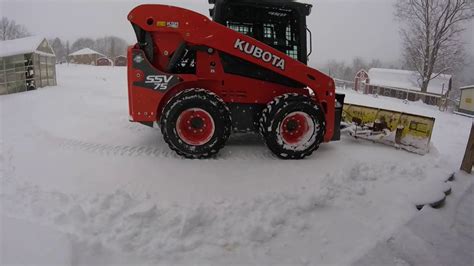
{"x":159,"y":81}
{"x":259,"y":53}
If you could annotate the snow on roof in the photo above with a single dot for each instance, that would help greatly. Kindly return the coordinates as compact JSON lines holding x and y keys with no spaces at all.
{"x":20,"y":46}
{"x":467,"y":87}
{"x":409,"y":80}
{"x":85,"y":51}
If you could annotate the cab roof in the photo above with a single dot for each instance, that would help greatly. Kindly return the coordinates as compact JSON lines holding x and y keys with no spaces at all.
{"x":303,"y":6}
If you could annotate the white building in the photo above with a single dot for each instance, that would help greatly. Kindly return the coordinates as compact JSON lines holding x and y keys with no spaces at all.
{"x":404,"y":84}
{"x":85,"y":56}
{"x":466,"y":105}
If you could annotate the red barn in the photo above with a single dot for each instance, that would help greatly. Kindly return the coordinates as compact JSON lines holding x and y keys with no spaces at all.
{"x":361,"y":81}
{"x":103,"y":61}
{"x":120,"y":61}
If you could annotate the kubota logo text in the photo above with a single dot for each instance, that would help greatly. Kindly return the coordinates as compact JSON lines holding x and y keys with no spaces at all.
{"x":259,"y":53}
{"x":160,"y":81}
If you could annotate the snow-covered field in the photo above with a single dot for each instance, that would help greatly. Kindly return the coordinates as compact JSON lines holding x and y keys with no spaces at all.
{"x":100,"y":190}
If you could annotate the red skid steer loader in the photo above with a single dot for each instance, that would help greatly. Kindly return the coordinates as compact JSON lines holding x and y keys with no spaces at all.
{"x":244,"y":70}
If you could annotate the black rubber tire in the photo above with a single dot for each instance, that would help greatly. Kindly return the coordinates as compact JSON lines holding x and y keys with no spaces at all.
{"x":275,"y":112}
{"x":196,"y":98}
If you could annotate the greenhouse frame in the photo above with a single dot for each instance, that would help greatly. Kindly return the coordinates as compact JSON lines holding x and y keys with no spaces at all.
{"x":26,"y":64}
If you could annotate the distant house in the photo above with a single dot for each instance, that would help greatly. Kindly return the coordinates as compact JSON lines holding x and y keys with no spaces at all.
{"x":466,"y":105}
{"x":361,"y":80}
{"x":104,"y":61}
{"x":120,"y":61}
{"x":403,"y":84}
{"x":26,"y":64}
{"x":85,"y":56}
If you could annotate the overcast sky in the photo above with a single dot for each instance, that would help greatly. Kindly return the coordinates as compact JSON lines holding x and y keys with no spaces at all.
{"x":342,"y":29}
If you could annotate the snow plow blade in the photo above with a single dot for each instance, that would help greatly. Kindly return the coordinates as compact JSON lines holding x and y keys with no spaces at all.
{"x":401,"y":130}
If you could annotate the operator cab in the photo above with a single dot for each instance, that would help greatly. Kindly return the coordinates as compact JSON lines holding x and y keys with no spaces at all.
{"x":277,"y":23}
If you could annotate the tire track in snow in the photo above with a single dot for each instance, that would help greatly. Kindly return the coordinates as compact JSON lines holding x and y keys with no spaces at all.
{"x":106,"y":149}
{"x":115,"y":150}
{"x":155,"y":151}
{"x":151,"y":151}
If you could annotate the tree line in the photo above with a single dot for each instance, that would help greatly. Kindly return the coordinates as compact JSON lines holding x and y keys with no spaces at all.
{"x":432,"y":38}
{"x":9,"y":30}
{"x":431,"y":35}
{"x":347,"y":71}
{"x":110,"y":46}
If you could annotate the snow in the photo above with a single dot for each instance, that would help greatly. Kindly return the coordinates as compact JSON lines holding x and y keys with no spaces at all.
{"x":26,"y":243}
{"x":73,"y":164}
{"x":85,"y":51}
{"x":20,"y":238}
{"x":409,"y":80}
{"x":467,"y":87}
{"x":434,"y":237}
{"x":20,"y":46}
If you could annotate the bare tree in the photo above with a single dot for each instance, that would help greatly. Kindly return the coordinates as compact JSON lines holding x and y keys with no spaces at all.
{"x":339,"y":69}
{"x":9,"y":30}
{"x":358,"y":63}
{"x":68,"y":51}
{"x":375,"y":63}
{"x":82,"y":43}
{"x":111,"y":46}
{"x":335,"y":68}
{"x":432,"y":32}
{"x":59,"y":49}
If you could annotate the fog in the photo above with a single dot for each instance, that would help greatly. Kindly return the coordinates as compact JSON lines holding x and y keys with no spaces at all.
{"x":342,"y":29}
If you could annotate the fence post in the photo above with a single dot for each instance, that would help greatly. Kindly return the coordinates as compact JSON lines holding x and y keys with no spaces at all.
{"x":468,"y":160}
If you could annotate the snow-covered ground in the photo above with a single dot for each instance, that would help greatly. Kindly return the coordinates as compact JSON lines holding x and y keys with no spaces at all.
{"x":107,"y":191}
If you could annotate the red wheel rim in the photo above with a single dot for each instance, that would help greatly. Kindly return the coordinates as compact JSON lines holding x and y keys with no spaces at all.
{"x":195,"y":126}
{"x":297,"y":129}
